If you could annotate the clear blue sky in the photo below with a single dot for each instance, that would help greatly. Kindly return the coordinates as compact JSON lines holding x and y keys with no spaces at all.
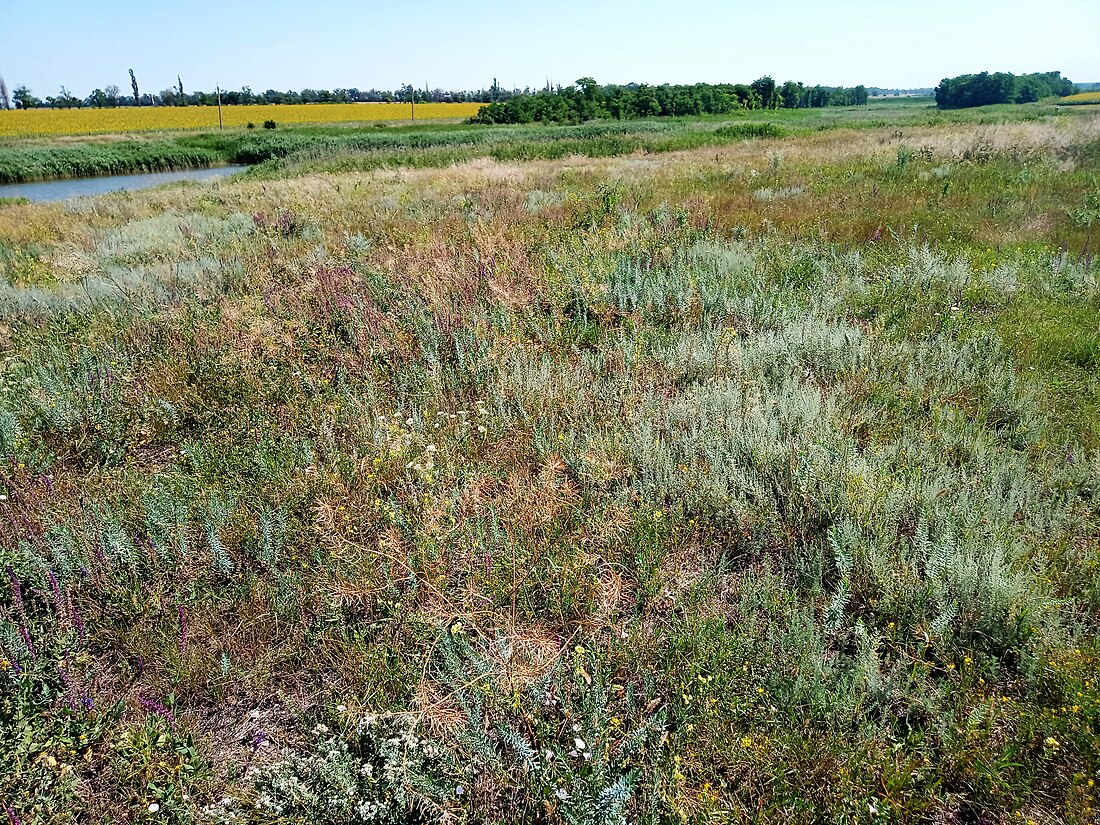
{"x":466,"y":43}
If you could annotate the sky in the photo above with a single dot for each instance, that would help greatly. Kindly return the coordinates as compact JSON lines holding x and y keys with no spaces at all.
{"x":464,"y":44}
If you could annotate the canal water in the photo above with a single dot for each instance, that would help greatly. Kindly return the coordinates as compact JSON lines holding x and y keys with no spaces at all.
{"x":59,"y":190}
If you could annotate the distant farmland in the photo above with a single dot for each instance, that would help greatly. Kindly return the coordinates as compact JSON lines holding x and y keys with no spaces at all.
{"x":1082,"y":99}
{"x":34,"y":122}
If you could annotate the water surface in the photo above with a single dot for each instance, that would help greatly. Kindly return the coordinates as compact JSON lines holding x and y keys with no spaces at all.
{"x":59,"y":190}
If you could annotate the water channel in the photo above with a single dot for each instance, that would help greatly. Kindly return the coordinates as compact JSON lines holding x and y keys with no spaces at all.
{"x":58,"y":190}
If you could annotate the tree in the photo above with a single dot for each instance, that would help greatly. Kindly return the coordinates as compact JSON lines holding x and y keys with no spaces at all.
{"x":182,"y":97}
{"x":765,"y":89}
{"x":984,"y":89}
{"x":97,"y":98}
{"x":792,"y":95}
{"x":112,"y":95}
{"x":134,"y":86}
{"x":5,"y":97}
{"x":64,"y":100}
{"x":23,"y":97}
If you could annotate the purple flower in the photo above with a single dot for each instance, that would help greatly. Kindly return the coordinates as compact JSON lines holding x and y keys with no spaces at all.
{"x":26,"y":636}
{"x":156,"y":708}
{"x":13,"y":817}
{"x":78,"y":622}
{"x":183,"y":627}
{"x":58,"y":599}
{"x":68,"y":683}
{"x":16,"y":592}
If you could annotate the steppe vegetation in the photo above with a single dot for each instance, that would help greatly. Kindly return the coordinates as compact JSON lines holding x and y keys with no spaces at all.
{"x":753,"y":481}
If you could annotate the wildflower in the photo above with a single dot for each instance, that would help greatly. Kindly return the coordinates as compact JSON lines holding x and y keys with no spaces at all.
{"x":481,"y":429}
{"x":579,"y":743}
{"x":746,"y":741}
{"x":1051,"y":743}
{"x":153,"y":807}
{"x":459,"y":790}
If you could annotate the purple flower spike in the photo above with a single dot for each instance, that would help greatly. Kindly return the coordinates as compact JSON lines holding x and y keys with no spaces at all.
{"x":183,"y":627}
{"x":26,"y":636}
{"x":16,"y":592}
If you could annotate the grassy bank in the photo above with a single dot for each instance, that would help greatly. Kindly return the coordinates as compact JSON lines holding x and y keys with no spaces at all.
{"x":32,"y":163}
{"x":754,"y":481}
{"x":310,"y":147}
{"x":372,"y":148}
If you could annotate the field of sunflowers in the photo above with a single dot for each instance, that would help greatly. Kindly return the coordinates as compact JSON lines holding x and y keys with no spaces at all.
{"x":1082,"y":99}
{"x":44,"y":122}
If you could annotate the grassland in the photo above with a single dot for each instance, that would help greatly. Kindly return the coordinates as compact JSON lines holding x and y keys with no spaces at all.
{"x":685,"y":479}
{"x":29,"y":159}
{"x":53,"y":122}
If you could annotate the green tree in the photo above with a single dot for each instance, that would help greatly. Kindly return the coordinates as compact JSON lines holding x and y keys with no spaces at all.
{"x":24,"y":99}
{"x":766,"y":91}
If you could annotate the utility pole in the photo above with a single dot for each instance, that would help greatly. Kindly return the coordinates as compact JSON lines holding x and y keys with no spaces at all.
{"x":412,"y":101}
{"x":219,"y":89}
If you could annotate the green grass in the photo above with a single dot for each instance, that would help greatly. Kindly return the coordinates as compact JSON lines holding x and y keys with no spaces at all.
{"x":31,"y":163}
{"x":443,"y":144}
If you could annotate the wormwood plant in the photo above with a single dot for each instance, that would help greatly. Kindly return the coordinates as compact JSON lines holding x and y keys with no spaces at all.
{"x":573,"y":742}
{"x":379,"y":769}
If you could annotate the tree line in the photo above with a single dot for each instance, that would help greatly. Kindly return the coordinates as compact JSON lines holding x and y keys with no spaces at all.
{"x":587,"y":100}
{"x":985,"y":89}
{"x":110,"y":97}
{"x":583,"y":101}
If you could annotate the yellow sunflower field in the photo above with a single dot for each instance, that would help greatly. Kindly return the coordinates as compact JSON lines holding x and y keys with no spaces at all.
{"x":34,"y":122}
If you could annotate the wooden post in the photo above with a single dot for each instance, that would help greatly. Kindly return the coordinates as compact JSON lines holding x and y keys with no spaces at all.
{"x":219,"y":88}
